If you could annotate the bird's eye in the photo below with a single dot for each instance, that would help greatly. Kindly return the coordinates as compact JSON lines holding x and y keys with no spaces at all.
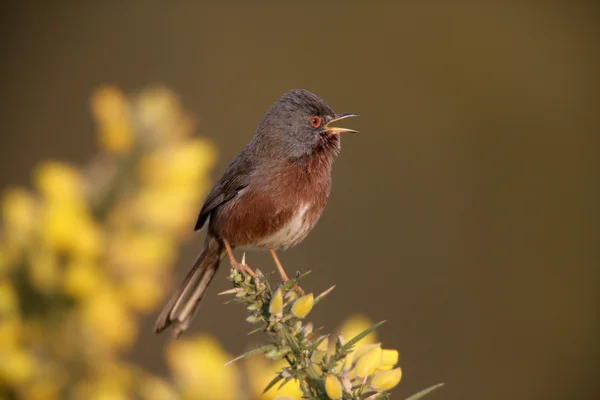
{"x":315,"y":121}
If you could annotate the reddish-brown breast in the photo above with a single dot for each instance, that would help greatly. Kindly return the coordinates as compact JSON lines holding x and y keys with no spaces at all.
{"x":280,"y":206}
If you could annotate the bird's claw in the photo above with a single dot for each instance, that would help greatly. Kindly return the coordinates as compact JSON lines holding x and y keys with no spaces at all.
{"x":298,"y":289}
{"x":242,"y":268}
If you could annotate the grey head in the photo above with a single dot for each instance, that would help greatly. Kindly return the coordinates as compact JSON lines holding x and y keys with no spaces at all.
{"x":298,"y":125}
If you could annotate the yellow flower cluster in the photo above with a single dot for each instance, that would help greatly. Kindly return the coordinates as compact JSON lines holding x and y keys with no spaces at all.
{"x":261,"y":371}
{"x":87,"y":253}
{"x":308,"y":363}
{"x":368,"y":361}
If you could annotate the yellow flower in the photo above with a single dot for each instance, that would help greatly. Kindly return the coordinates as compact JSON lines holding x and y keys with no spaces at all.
{"x":355,"y":325}
{"x":44,"y":270}
{"x":389,"y":358}
{"x":352,"y":327}
{"x":88,"y":240}
{"x":142,"y":251}
{"x":111,"y":111}
{"x":386,"y":380}
{"x":261,"y":371}
{"x":158,"y":108}
{"x":82,"y":277}
{"x":368,"y":363}
{"x":116,"y":136}
{"x":61,"y":182}
{"x":142,"y":292}
{"x":276,"y":304}
{"x":303,"y":305}
{"x":108,"y":103}
{"x":198,"y":366}
{"x":361,"y":350}
{"x":153,"y":388}
{"x":181,"y":164}
{"x":333,"y":387}
{"x":107,"y":321}
{"x":18,"y":215}
{"x":16,"y":367}
{"x":58,"y":223}
{"x":168,"y":210}
{"x":70,"y":228}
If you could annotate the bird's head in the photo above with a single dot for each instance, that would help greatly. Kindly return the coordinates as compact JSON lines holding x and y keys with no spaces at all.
{"x":300,"y":123}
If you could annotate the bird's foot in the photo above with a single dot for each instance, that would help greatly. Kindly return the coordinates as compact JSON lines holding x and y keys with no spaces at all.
{"x":241,"y":266}
{"x":298,"y":289}
{"x":295,"y":287}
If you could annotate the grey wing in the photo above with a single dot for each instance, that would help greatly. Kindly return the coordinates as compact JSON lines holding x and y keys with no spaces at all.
{"x":235,"y":178}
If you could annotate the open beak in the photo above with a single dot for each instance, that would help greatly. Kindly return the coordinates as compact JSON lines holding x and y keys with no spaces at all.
{"x":334,"y":129}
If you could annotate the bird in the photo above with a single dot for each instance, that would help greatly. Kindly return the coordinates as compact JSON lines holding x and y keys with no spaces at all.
{"x":269,"y":197}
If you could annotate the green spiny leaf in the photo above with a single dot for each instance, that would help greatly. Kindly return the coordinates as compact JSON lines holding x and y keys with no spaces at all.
{"x":259,"y":329}
{"x":261,"y":349}
{"x":322,"y":295}
{"x":286,"y":380}
{"x":424,"y":392}
{"x":273,"y":382}
{"x":355,"y":339}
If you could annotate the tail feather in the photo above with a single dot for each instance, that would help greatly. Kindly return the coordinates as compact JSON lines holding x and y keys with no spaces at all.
{"x":183,"y":304}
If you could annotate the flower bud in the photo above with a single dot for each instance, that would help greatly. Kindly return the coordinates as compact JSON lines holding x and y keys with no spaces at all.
{"x":254,"y":319}
{"x":276,"y":304}
{"x":333,"y":387}
{"x":302,"y":306}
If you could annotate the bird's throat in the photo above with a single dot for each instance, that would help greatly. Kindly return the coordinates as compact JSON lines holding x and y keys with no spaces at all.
{"x":328,"y":143}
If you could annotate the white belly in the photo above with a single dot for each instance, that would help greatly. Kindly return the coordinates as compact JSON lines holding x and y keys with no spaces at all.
{"x":296,"y":229}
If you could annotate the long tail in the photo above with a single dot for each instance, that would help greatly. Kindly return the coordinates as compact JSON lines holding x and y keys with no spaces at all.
{"x":181,"y":307}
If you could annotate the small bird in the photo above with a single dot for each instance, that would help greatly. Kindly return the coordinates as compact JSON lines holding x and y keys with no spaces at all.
{"x":270,"y":197}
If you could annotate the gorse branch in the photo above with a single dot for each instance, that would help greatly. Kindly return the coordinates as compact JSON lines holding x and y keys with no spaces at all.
{"x":323,"y":368}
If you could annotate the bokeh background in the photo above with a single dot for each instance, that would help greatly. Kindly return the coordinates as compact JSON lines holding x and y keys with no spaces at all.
{"x":463,"y":211}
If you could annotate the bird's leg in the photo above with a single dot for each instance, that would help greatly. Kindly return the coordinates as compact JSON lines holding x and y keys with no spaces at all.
{"x":284,"y":276}
{"x":235,"y":264}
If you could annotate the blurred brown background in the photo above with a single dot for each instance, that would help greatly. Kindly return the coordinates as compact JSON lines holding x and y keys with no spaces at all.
{"x":462,"y":213}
